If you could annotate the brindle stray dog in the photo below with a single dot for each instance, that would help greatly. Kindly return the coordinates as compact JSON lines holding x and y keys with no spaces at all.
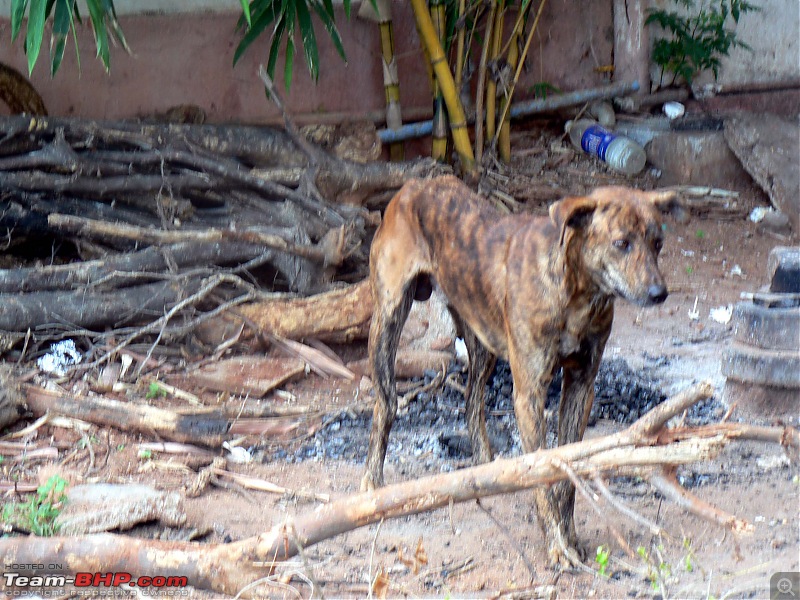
{"x":539,"y":292}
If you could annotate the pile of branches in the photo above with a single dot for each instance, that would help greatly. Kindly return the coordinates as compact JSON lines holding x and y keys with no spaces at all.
{"x":170,"y":219}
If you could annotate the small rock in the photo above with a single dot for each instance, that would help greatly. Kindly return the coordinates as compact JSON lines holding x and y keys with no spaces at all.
{"x":105,"y":507}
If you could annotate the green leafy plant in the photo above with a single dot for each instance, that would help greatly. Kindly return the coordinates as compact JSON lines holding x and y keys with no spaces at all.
{"x":154,"y":390}
{"x":39,"y":513}
{"x":698,"y":36}
{"x":542,"y":89}
{"x":602,"y":557}
{"x":65,"y":15}
{"x":87,"y":441}
{"x":689,"y":557}
{"x":657,"y":569}
{"x":286,"y":19}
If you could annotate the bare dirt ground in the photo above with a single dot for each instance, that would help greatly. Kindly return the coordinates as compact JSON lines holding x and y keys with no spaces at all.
{"x":465,"y":552}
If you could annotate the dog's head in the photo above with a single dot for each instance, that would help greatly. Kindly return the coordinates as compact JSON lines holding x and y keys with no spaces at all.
{"x":621,"y":234}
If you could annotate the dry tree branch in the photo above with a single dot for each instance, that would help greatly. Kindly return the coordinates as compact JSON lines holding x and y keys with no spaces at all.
{"x":624,"y":508}
{"x":666,"y":483}
{"x":228,"y":568}
{"x":115,"y":231}
{"x":592,"y":499}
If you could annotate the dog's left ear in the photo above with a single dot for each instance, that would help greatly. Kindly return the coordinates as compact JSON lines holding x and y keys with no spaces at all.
{"x":668,"y":201}
{"x":575,"y":212}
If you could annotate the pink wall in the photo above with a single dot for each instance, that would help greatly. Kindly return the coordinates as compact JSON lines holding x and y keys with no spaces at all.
{"x":187,"y":59}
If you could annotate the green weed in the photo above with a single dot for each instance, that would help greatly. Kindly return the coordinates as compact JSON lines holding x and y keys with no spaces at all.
{"x":39,"y":513}
{"x":601,"y":558}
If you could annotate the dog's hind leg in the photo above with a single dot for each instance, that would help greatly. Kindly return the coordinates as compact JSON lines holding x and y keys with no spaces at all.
{"x":389,"y":316}
{"x":481,"y":363}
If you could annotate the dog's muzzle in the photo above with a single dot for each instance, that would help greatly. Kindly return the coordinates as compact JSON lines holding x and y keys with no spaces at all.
{"x":657,"y":293}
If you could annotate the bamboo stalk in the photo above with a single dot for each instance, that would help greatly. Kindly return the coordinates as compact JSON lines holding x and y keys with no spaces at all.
{"x":491,"y":84}
{"x":504,"y":131}
{"x":391,"y":80}
{"x":521,"y":62}
{"x":460,"y":40}
{"x":458,"y":120}
{"x":439,"y":142}
{"x":479,"y":94}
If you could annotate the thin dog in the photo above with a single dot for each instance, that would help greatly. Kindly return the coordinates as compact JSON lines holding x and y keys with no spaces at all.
{"x":536,"y":291}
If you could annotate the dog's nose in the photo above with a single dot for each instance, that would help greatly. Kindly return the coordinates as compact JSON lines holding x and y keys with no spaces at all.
{"x":657,"y":293}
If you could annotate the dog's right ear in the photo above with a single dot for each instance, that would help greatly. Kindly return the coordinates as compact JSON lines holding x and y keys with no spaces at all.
{"x":668,"y":201}
{"x":574,"y":212}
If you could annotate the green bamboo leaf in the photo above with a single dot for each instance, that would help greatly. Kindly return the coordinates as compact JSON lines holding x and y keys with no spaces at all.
{"x":113,"y":23}
{"x":288,"y":13}
{"x":330,"y":26}
{"x":346,"y":4}
{"x":17,"y":15}
{"x":262,"y":20}
{"x":288,"y":65}
{"x":62,"y":23}
{"x":97,"y":15}
{"x":246,"y":11}
{"x":275,"y":46}
{"x":35,"y":32}
{"x":310,"y":49}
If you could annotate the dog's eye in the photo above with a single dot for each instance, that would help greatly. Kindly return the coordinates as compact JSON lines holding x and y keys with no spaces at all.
{"x":622,"y":245}
{"x":658,"y":244}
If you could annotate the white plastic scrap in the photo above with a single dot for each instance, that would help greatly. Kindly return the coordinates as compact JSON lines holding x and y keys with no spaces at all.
{"x":736,"y":271}
{"x":237,"y":454}
{"x":61,"y":357}
{"x":461,"y":351}
{"x":673,"y":110}
{"x":757,"y":214}
{"x":694,"y":315}
{"x":722,"y":314}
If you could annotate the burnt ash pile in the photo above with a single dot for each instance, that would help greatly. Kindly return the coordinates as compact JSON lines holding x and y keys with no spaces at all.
{"x":432,"y":427}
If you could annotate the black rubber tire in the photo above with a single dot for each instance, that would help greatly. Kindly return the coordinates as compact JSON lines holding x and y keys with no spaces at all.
{"x":776,"y":368}
{"x":768,"y":328}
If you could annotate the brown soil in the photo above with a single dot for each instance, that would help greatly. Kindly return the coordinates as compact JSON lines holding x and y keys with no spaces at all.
{"x":467,"y":552}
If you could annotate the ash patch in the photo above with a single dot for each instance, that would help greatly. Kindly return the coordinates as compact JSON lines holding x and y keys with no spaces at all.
{"x":432,"y":427}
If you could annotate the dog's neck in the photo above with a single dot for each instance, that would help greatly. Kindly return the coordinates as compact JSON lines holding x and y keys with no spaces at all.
{"x":578,"y":285}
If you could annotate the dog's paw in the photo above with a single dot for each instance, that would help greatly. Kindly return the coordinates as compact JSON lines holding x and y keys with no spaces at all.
{"x":566,"y":558}
{"x":564,"y":553}
{"x":370,"y":482}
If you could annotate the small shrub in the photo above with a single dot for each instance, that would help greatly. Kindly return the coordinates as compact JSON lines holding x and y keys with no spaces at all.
{"x":39,"y":513}
{"x":697,"y":40}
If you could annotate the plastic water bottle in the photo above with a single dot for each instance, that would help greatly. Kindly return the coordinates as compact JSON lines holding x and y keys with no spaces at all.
{"x":603,"y":113}
{"x":618,"y":152}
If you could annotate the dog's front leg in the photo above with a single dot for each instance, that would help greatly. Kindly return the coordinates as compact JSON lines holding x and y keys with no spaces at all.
{"x":577,"y":397}
{"x":532,"y":366}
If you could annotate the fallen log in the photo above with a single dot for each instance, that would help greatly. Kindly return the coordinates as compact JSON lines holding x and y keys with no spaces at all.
{"x":207,"y":428}
{"x":252,"y":376}
{"x":92,"y":308}
{"x":342,"y":181}
{"x":234,"y":567}
{"x":338,"y":316}
{"x":276,"y":240}
{"x":116,"y":269}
